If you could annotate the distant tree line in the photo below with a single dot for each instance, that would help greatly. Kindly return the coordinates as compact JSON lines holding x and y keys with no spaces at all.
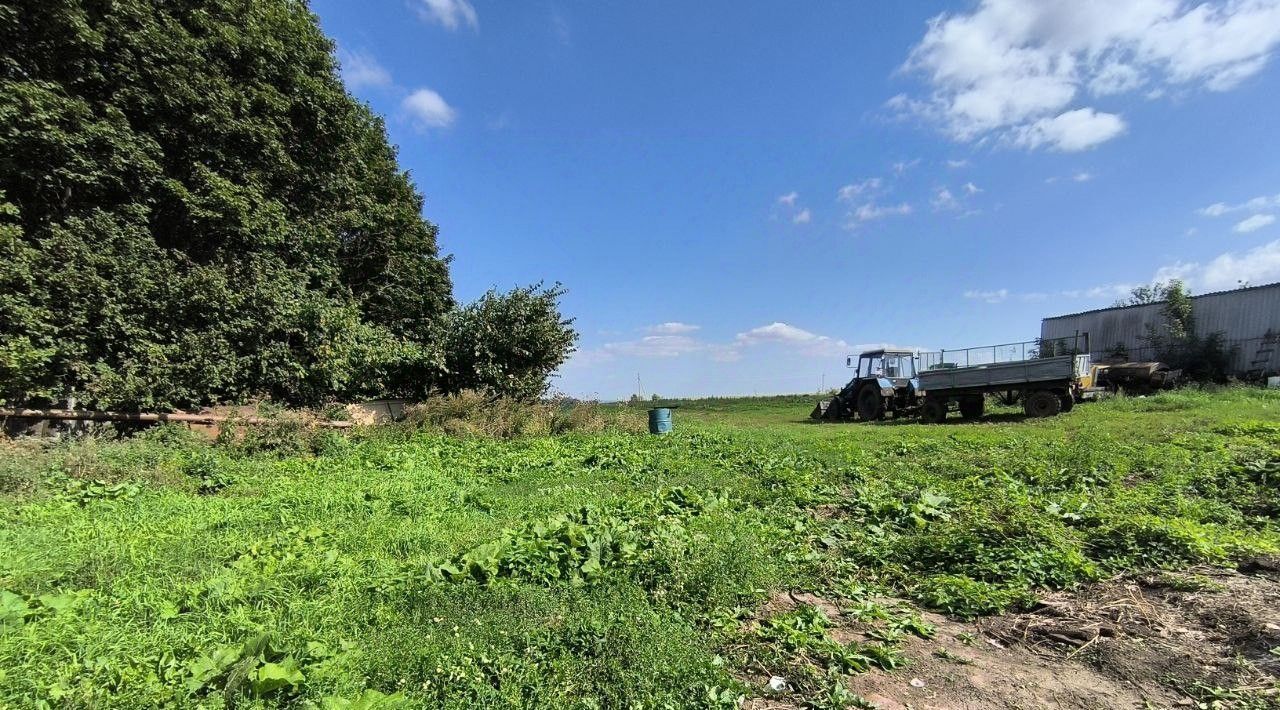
{"x":193,"y":209}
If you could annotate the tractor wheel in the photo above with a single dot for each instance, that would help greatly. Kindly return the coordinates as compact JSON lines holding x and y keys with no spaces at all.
{"x":971,"y":407}
{"x":870,"y":404}
{"x":1068,"y":401}
{"x":1041,"y":403}
{"x":934,"y":411}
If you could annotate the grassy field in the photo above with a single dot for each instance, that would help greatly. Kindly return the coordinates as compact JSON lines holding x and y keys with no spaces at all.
{"x":401,"y":568}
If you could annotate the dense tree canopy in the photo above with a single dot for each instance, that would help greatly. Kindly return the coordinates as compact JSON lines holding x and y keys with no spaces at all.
{"x":193,"y":209}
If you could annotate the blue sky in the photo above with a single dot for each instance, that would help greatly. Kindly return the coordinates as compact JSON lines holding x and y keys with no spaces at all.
{"x":738,"y":194}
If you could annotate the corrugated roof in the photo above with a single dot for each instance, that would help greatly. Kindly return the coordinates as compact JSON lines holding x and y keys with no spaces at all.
{"x":1140,"y":305}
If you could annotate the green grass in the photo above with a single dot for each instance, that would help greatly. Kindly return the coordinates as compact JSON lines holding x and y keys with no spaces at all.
{"x":603,"y":570}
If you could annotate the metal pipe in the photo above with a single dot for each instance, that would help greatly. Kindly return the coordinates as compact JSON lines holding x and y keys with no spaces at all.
{"x":147,"y":417}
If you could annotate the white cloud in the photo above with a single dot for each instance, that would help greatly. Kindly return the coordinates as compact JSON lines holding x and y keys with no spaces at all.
{"x":673,"y":340}
{"x":1256,"y":266}
{"x":799,"y":213}
{"x":1110,"y":291}
{"x":1257,"y":204}
{"x":901,"y":167}
{"x":1103,"y":291}
{"x":792,"y":337}
{"x":1020,"y":69}
{"x":1081,"y":176}
{"x":1070,"y":131}
{"x":1254,"y":223}
{"x":971,"y":189}
{"x":450,"y":14}
{"x":944,"y":200}
{"x":852,"y":191}
{"x":955,"y":164}
{"x":656,"y":346}
{"x":361,"y":69}
{"x":997,"y":296}
{"x":428,"y":109}
{"x":872,"y":211}
{"x":672,"y":328}
{"x":1259,"y":265}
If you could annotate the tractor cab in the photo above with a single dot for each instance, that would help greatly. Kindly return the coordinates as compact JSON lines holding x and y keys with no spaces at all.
{"x":885,"y":383}
{"x":891,"y":364}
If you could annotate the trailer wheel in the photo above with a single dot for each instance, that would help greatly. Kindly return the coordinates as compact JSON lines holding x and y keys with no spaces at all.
{"x":870,"y":404}
{"x":1041,"y":403}
{"x":1068,"y":401}
{"x":934,"y":411}
{"x":972,"y":407}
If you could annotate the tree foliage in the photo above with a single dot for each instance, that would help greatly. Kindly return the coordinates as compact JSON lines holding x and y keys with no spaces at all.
{"x":1176,"y":342}
{"x":193,"y":209}
{"x":508,"y":344}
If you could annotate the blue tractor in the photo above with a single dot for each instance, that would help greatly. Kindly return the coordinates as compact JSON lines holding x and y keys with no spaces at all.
{"x":885,"y":384}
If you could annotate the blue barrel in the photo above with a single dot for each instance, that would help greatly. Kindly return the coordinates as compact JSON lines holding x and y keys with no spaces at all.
{"x":659,"y":420}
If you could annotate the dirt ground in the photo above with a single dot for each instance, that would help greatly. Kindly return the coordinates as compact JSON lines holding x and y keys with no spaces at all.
{"x":1198,"y":638}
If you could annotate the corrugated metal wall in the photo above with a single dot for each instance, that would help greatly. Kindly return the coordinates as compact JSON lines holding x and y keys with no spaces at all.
{"x":1244,"y":316}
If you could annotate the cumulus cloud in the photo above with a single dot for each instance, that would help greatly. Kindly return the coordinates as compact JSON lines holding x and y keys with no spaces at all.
{"x":361,"y":69}
{"x":1022,"y":70}
{"x":1257,"y":204}
{"x":1082,"y":176}
{"x":871,"y":211}
{"x":1110,"y":291}
{"x":971,"y":189}
{"x":450,"y":14}
{"x":1254,"y":223}
{"x":1260,"y":265}
{"x":672,"y":328}
{"x":675,"y":339}
{"x":955,"y":164}
{"x":790,"y":204}
{"x":854,"y":190}
{"x":656,"y":346}
{"x":997,"y":296}
{"x":1069,"y":132}
{"x":901,"y":167}
{"x":790,"y":336}
{"x":428,"y":109}
{"x":944,"y":200}
{"x":1257,"y":266}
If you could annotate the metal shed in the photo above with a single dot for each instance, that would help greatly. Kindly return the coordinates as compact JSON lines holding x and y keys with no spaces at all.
{"x":1249,"y":319}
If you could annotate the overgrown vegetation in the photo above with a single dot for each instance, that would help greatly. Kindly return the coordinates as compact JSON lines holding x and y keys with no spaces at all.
{"x":1176,"y":341}
{"x":194,"y":210}
{"x":405,"y":567}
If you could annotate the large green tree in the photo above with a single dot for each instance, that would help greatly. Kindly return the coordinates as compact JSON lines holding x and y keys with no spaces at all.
{"x":193,"y":209}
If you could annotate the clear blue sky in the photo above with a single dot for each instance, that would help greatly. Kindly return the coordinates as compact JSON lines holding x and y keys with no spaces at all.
{"x":738,"y":194}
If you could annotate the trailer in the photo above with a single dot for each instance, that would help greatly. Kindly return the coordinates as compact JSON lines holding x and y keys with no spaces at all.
{"x":1047,"y":376}
{"x":1044,"y":375}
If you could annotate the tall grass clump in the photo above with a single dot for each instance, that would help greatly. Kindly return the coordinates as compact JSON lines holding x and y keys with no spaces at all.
{"x":473,"y":413}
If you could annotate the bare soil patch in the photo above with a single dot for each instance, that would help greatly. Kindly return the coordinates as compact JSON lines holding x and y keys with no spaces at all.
{"x":1197,"y":638}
